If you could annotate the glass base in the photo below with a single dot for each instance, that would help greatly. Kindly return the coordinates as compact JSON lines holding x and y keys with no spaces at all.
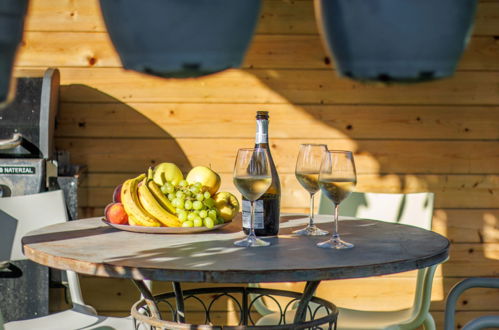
{"x":251,"y":241}
{"x":335,"y":243}
{"x":310,"y":231}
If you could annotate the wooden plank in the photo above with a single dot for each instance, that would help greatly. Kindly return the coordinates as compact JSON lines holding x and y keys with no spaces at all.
{"x":159,"y":120}
{"x":469,"y":260}
{"x":381,"y":293}
{"x":307,"y":52}
{"x":467,"y":226}
{"x":276,"y":17}
{"x":452,"y":191}
{"x":371,"y":156}
{"x":271,"y":86}
{"x":390,"y":292}
{"x":481,"y":54}
{"x":487,"y":18}
{"x":89,"y":49}
{"x":59,"y":49}
{"x":64,"y":15}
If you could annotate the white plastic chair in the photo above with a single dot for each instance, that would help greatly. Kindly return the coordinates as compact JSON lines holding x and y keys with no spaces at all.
{"x":411,"y":209}
{"x":33,"y":212}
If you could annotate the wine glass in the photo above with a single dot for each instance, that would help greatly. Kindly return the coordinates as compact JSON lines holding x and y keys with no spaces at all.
{"x":308,"y":166}
{"x":337,"y":179}
{"x":252,"y":177}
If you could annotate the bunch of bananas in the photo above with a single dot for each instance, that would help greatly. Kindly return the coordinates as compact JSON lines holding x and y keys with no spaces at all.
{"x":146,"y":205}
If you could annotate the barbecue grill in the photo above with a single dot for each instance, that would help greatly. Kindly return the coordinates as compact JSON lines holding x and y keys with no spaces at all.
{"x":29,"y":164}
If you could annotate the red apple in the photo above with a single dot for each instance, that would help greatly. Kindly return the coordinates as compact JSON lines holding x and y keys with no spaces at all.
{"x":115,"y":213}
{"x":117,"y":194}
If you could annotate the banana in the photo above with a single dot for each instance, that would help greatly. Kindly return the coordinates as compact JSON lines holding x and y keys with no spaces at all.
{"x":132,"y":221}
{"x":150,"y":173}
{"x":132,"y":205}
{"x":152,"y":206}
{"x":162,"y":200}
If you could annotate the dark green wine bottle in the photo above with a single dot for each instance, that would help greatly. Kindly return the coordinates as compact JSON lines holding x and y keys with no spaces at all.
{"x":267,"y":207}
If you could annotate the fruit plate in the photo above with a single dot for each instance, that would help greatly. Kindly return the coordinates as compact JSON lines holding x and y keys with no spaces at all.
{"x":163,"y":230}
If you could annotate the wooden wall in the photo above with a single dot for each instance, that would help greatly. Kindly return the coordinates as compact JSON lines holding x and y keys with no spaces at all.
{"x":440,"y":136}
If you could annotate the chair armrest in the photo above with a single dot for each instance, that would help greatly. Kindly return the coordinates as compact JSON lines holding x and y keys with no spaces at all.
{"x":457,"y":290}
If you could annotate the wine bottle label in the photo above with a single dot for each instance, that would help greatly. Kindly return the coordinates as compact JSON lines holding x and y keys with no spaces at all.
{"x":258,"y":224}
{"x":262,"y":129}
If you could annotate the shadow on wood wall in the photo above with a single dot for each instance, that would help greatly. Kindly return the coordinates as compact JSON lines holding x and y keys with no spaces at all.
{"x":111,"y":151}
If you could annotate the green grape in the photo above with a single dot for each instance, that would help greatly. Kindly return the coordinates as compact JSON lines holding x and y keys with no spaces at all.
{"x":169,"y":187}
{"x":183,"y":183}
{"x":198,"y":222}
{"x":171,"y":197}
{"x":180,"y":205}
{"x":200,"y":197}
{"x":188,"y":224}
{"x":210,"y":202}
{"x":203,"y":214}
{"x":206,"y":194}
{"x":208,"y":222}
{"x":197,"y":205}
{"x":212,"y":214}
{"x":191,"y":216}
{"x":194,"y":189}
{"x":164,"y":190}
{"x":174,"y":202}
{"x":188,"y":205}
{"x":182,"y":216}
{"x":220,"y":220}
{"x":180,"y":194}
{"x":198,"y":184}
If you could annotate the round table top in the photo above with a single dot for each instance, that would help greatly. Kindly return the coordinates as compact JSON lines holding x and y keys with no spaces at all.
{"x":92,"y":247}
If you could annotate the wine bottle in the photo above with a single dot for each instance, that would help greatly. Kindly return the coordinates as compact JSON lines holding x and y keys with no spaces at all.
{"x":267,"y":207}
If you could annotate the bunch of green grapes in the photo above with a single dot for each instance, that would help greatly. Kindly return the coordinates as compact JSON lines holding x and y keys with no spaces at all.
{"x":193,"y":203}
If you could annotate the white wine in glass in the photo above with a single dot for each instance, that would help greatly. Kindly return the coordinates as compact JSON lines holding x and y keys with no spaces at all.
{"x":337,"y":180}
{"x":252,"y":177}
{"x":308,"y":166}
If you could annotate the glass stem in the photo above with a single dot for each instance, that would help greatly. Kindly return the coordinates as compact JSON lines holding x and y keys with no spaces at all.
{"x":335,"y":231}
{"x":311,"y":221}
{"x":252,"y":221}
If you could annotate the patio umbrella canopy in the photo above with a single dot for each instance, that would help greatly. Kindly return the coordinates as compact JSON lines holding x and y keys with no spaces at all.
{"x":11,"y":30}
{"x":177,"y":38}
{"x":395,"y":40}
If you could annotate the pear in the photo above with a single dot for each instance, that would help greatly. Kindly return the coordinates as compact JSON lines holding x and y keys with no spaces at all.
{"x":227,"y":205}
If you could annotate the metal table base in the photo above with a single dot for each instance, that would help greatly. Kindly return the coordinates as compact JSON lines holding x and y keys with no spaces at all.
{"x":153,"y":311}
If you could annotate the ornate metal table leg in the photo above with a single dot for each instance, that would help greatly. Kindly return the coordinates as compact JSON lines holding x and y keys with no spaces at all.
{"x":179,"y":297}
{"x":309,"y":291}
{"x":149,"y":298}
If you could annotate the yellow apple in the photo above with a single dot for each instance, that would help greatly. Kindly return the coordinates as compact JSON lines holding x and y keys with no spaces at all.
{"x":167,"y":172}
{"x":227,"y":205}
{"x":206,"y":176}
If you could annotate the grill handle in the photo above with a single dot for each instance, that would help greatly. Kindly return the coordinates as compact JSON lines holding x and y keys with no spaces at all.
{"x":11,"y":143}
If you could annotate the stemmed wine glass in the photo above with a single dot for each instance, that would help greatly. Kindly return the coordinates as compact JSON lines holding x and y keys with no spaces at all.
{"x":337,"y":179}
{"x":308,"y":166}
{"x":252,"y":177}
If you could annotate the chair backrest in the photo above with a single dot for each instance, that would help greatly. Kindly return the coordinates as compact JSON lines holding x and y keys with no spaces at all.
{"x":414,"y":209}
{"x":21,"y":214}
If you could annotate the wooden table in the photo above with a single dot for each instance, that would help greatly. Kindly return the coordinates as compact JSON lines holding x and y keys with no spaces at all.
{"x":89,"y":246}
